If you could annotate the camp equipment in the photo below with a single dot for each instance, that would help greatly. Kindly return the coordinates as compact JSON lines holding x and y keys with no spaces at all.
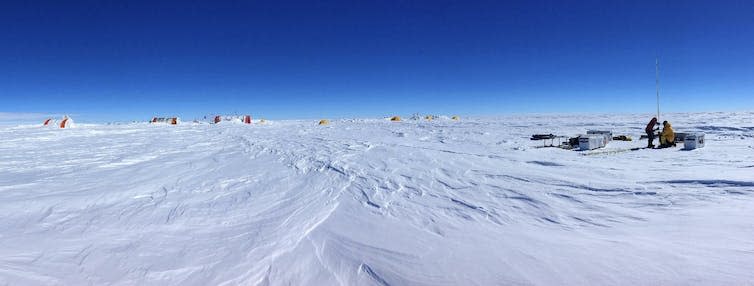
{"x":542,"y":136}
{"x":592,"y":141}
{"x":680,"y":137}
{"x":693,"y":141}
{"x":573,"y":141}
{"x":607,"y":134}
{"x":657,"y":86}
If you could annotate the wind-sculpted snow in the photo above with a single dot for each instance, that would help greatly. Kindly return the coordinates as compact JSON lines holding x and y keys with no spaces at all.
{"x":373,"y":202}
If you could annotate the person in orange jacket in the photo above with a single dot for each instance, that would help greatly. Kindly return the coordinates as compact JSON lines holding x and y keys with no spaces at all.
{"x":667,"y":138}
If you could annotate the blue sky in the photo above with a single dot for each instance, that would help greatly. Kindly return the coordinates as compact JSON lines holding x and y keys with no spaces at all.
{"x":130,"y":60}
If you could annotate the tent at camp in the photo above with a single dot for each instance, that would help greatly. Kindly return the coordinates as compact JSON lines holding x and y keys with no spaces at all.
{"x":245,"y":119}
{"x":65,"y":122}
{"x":165,"y":120}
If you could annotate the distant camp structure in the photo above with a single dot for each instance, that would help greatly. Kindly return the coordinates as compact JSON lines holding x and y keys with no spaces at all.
{"x":324,"y":122}
{"x":65,"y":122}
{"x":246,"y":119}
{"x":165,"y":120}
{"x":395,"y":118}
{"x":418,"y":116}
{"x":455,"y":117}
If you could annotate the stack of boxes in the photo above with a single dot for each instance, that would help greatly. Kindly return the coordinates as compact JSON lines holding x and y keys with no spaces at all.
{"x":594,"y":139}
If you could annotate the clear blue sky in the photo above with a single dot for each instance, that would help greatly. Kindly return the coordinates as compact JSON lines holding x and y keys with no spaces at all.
{"x":126,"y":60}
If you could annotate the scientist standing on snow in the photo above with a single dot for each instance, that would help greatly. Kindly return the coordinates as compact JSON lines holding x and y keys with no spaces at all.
{"x":651,"y":132}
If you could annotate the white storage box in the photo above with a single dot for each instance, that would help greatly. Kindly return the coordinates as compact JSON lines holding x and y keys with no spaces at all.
{"x":608,"y":134}
{"x":693,"y":141}
{"x":592,"y":141}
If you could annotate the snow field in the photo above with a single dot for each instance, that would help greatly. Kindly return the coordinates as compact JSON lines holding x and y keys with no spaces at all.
{"x":373,"y":202}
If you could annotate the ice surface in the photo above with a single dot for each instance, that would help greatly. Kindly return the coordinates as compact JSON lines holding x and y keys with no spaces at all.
{"x":373,"y":202}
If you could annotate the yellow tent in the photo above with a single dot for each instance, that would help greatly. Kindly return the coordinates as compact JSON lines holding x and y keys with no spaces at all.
{"x":395,"y":118}
{"x":324,"y":122}
{"x":455,"y":117}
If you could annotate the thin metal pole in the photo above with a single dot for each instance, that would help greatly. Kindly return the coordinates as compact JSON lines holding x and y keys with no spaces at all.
{"x":657,"y":85}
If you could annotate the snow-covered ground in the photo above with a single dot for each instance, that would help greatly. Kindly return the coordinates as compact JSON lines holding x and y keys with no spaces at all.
{"x":373,"y":202}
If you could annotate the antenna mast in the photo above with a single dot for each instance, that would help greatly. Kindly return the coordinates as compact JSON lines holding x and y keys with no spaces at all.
{"x":657,"y":85}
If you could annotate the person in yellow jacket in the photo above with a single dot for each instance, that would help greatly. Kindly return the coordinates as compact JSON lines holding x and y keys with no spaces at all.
{"x":667,"y":137}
